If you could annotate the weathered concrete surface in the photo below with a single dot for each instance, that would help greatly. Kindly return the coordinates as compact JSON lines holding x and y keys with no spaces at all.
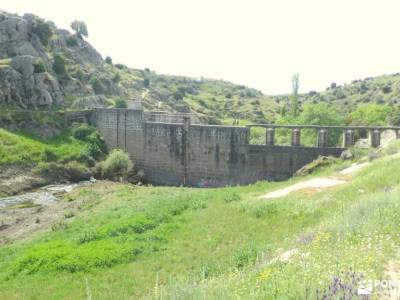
{"x":199,"y":155}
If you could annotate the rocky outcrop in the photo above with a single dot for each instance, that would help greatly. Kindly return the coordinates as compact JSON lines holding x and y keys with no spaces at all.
{"x":28,"y":46}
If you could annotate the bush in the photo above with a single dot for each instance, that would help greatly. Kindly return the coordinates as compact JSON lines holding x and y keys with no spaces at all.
{"x":39,"y":66}
{"x":117,"y":78}
{"x":59,"y":64}
{"x":386,"y":89}
{"x":82,"y":131}
{"x":117,"y":165}
{"x":108,"y":60}
{"x":72,"y":41}
{"x":96,"y":145}
{"x":49,"y":155}
{"x":97,"y":86}
{"x":120,"y":103}
{"x":72,"y":171}
{"x":43,"y":30}
{"x":121,"y":66}
{"x":232,"y":198}
{"x":392,"y":148}
{"x":244,"y":257}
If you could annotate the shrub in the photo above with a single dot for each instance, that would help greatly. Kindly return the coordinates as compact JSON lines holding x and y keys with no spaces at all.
{"x":232,"y":198}
{"x":59,"y":64}
{"x":117,"y":164}
{"x":72,"y":41}
{"x":120,"y":103}
{"x":43,"y":30}
{"x":244,"y":257}
{"x":386,"y":89}
{"x":108,"y":60}
{"x":116,"y":78}
{"x":49,"y":155}
{"x":392,"y":148}
{"x":82,"y":131}
{"x":121,"y":66}
{"x":97,"y":86}
{"x":72,"y":171}
{"x":39,"y":66}
{"x":146,"y":82}
{"x":96,"y":146}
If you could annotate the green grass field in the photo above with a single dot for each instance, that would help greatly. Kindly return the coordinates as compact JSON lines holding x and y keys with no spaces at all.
{"x":25,"y":150}
{"x":130,"y":242}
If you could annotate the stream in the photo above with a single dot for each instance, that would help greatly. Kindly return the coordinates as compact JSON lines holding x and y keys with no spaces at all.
{"x":41,"y":197}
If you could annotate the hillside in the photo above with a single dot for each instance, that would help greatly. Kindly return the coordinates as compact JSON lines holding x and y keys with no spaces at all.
{"x":44,"y":67}
{"x":118,"y":241}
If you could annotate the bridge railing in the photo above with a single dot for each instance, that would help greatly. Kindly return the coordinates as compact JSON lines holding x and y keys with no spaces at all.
{"x":322,"y":133}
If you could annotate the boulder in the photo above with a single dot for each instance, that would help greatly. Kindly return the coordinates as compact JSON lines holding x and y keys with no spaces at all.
{"x":24,"y":64}
{"x":346,"y":155}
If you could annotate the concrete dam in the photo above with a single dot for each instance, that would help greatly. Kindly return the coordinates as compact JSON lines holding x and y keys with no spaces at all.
{"x":172,"y":149}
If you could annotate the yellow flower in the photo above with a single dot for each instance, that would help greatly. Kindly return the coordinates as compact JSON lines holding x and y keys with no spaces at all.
{"x":264,"y":274}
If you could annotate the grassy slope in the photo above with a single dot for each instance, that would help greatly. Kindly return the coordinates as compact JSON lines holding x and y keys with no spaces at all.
{"x":381,"y":90}
{"x":209,"y":243}
{"x":25,"y":150}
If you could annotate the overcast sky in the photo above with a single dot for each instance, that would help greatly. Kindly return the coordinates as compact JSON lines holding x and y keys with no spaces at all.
{"x":260,"y":43}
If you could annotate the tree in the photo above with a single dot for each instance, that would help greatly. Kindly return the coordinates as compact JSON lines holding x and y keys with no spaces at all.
{"x":394,"y":116}
{"x":80,"y":28}
{"x":370,"y":114}
{"x":43,"y":30}
{"x":294,"y":98}
{"x":320,"y":114}
{"x":59,"y":64}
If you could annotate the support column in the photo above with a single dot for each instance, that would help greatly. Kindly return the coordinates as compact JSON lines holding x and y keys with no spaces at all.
{"x":296,"y":133}
{"x":322,"y":135}
{"x":397,"y":133}
{"x":348,"y":138}
{"x":185,"y":148}
{"x":375,"y":138}
{"x":270,"y":136}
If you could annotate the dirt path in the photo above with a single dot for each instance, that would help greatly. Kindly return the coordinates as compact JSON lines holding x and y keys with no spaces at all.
{"x":392,"y":272}
{"x":316,"y":184}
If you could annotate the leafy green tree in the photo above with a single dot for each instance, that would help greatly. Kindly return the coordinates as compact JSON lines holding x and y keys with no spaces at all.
{"x":80,"y":28}
{"x":294,"y":98}
{"x":370,"y":114}
{"x":394,"y":116}
{"x":320,"y":114}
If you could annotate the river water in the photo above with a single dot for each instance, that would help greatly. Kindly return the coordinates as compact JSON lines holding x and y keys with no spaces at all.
{"x":41,"y":197}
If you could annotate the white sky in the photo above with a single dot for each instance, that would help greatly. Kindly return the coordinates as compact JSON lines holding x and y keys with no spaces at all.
{"x":259,"y":43}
